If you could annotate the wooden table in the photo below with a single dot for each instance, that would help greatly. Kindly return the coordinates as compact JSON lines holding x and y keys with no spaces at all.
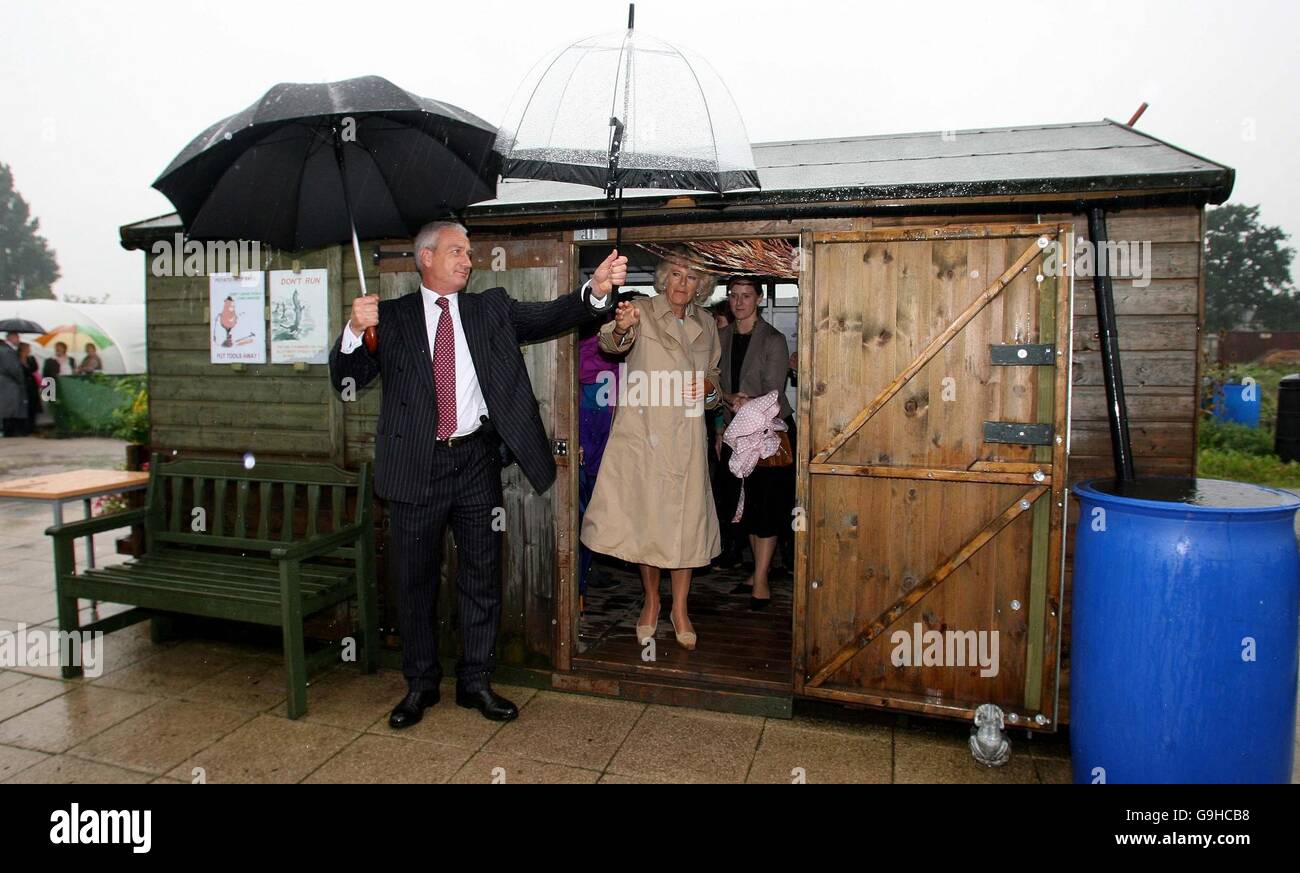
{"x":85,"y":485}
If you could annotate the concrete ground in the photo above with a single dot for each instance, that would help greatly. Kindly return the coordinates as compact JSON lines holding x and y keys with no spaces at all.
{"x":215,"y":710}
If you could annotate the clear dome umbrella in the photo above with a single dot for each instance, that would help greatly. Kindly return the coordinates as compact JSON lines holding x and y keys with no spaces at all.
{"x":626,"y":110}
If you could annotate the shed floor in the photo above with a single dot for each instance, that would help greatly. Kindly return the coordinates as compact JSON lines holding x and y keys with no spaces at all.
{"x":737,"y":648}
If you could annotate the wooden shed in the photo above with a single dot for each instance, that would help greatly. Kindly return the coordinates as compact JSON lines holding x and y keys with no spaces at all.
{"x":949,"y":388}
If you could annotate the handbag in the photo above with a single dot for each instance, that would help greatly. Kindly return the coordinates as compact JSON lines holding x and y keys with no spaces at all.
{"x":782,"y":457}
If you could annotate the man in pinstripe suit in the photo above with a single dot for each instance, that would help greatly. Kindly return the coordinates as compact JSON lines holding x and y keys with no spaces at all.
{"x":455,"y":387}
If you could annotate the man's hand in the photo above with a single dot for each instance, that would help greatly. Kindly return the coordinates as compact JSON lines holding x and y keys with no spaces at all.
{"x":365,"y":313}
{"x":735,"y":401}
{"x":611,"y":272}
{"x":626,"y":317}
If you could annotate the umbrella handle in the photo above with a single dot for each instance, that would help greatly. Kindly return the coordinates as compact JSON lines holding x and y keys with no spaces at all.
{"x":371,"y":336}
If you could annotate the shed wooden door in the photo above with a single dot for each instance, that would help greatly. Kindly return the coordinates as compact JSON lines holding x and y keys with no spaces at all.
{"x":932,"y":451}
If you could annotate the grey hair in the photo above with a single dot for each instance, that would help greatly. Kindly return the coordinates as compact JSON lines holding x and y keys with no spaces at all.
{"x":427,"y":238}
{"x":679,"y":254}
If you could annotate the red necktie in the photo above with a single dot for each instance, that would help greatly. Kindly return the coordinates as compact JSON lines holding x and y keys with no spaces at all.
{"x":444,"y":372}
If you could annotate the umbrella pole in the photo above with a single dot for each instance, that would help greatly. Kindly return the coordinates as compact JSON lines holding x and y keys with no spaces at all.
{"x":371,"y":337}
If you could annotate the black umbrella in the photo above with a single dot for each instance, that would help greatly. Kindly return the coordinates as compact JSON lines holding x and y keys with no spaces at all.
{"x":19,"y":325}
{"x":315,"y":164}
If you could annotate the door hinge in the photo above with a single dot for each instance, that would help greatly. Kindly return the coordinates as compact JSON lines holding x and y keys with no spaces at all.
{"x":560,"y":448}
{"x":1023,"y":355}
{"x":1017,"y":433}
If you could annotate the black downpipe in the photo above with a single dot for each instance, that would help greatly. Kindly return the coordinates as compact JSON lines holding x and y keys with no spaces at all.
{"x":1112,"y":373}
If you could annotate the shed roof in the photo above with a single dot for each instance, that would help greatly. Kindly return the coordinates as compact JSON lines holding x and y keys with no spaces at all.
{"x":1036,"y":159}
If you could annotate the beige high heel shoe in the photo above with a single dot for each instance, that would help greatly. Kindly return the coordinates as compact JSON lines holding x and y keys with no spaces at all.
{"x":646,"y":632}
{"x":685,"y":640}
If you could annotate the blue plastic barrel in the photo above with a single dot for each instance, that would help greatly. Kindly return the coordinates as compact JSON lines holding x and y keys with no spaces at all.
{"x":1237,"y":403}
{"x":1183,"y":654}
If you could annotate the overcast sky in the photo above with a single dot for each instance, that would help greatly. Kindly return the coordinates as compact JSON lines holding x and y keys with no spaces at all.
{"x":98,"y":97}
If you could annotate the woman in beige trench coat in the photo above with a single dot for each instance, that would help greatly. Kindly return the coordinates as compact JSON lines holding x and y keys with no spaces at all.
{"x":653,"y":504}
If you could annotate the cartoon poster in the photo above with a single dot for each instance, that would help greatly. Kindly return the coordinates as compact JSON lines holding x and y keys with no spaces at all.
{"x":300,"y":317}
{"x":238,"y":317}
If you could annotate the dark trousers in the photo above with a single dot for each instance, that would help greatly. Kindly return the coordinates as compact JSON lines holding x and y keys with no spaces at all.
{"x":466,"y":490}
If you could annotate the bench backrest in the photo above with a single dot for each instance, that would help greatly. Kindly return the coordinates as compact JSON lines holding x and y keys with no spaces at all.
{"x":225,"y":504}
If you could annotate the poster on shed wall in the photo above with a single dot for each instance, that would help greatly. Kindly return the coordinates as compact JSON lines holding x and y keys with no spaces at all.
{"x":300,"y":317}
{"x":238,"y":313}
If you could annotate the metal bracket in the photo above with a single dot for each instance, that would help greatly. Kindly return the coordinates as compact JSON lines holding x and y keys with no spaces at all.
{"x":1017,"y":433}
{"x":1023,"y":355}
{"x":560,"y":448}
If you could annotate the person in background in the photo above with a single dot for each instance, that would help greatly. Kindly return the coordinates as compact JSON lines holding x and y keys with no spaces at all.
{"x":13,"y":388}
{"x":597,"y":392}
{"x":722,"y":313}
{"x":90,"y":363}
{"x":755,"y":361}
{"x":32,"y":369}
{"x":62,"y":364}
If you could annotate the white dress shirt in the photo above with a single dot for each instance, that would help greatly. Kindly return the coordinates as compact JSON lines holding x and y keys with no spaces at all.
{"x":470,"y":405}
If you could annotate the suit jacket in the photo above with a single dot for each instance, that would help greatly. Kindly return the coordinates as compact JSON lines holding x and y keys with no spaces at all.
{"x":767,"y":362}
{"x":494,"y":326}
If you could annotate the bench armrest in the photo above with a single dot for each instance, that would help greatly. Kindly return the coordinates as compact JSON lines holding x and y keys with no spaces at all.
{"x":319,"y":545}
{"x":85,"y":527}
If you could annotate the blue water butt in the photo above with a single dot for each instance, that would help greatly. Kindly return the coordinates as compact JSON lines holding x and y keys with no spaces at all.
{"x":1183,"y":653}
{"x":1237,"y":403}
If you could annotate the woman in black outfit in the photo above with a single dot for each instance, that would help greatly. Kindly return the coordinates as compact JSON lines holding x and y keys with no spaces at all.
{"x":755,"y":361}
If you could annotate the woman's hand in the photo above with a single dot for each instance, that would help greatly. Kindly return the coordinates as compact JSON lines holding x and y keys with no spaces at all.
{"x":626,"y":317}
{"x":735,"y":401}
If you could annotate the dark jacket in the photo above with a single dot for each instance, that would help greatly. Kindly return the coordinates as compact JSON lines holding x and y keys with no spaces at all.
{"x":494,"y":327}
{"x":13,"y":383}
{"x":51,"y":367}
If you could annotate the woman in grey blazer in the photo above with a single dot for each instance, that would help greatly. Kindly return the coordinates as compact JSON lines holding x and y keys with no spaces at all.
{"x":755,"y":360}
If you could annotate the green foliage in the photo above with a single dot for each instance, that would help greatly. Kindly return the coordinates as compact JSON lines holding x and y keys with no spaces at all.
{"x":27,"y":266}
{"x":1241,"y":467}
{"x":1227,"y":436}
{"x":91,"y":404}
{"x":1244,"y":454}
{"x":1247,"y":273}
{"x":131,"y":421}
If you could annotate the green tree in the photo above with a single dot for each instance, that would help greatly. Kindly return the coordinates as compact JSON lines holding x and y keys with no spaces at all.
{"x":1247,"y":273}
{"x":27,"y":266}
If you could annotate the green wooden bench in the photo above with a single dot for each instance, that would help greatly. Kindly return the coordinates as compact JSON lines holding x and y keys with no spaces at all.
{"x":272,"y":545}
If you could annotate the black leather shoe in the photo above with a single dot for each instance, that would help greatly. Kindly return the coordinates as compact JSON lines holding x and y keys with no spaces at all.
{"x":757,"y":604}
{"x":412,"y":708}
{"x":492,"y":705}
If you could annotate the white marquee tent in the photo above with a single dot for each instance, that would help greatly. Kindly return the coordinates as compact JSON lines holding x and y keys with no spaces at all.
{"x":122,"y":324}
